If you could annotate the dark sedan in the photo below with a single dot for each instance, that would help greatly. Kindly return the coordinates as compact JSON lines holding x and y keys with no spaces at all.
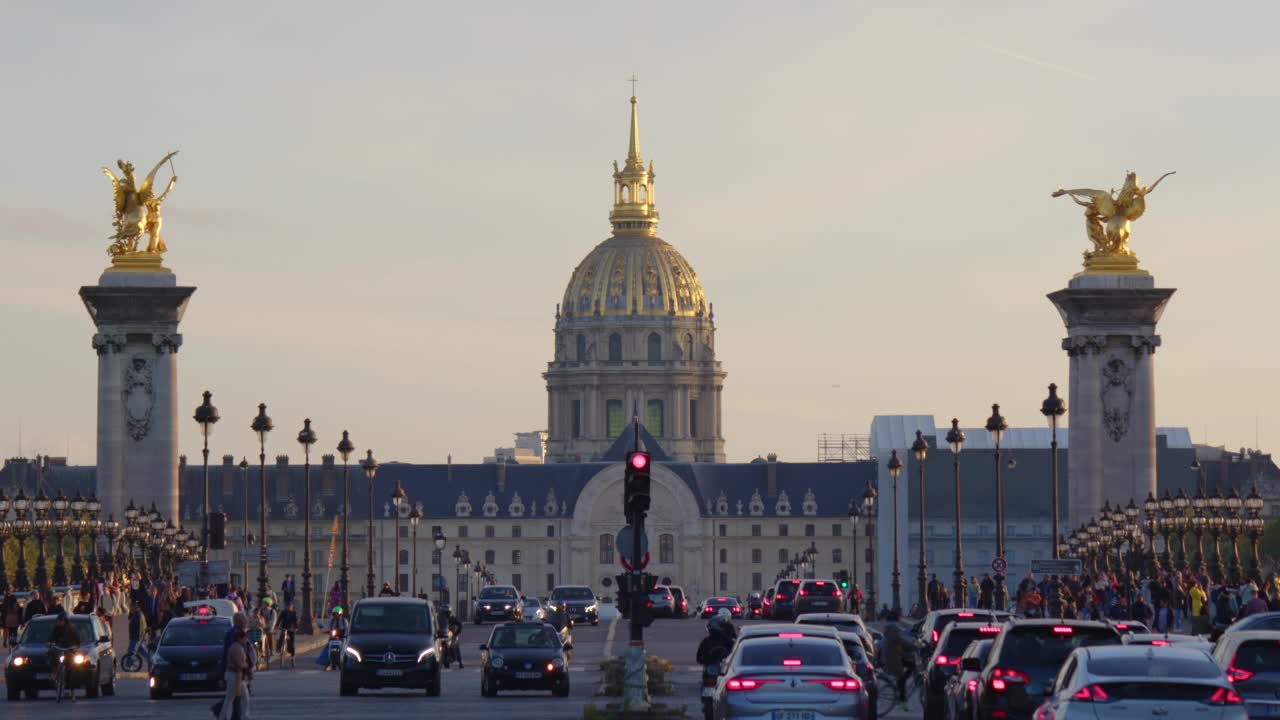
{"x":523,"y":656}
{"x":713,"y":605}
{"x":92,"y":666}
{"x":500,"y":603}
{"x":189,"y":656}
{"x":391,"y":643}
{"x":578,"y":601}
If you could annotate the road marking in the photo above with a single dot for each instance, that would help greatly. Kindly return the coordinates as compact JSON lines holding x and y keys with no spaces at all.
{"x":608,"y":638}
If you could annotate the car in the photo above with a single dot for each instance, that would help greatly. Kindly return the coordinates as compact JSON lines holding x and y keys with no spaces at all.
{"x":188,"y":657}
{"x":962,"y":687}
{"x":1251,"y":659}
{"x":217,"y":606}
{"x":945,"y":662}
{"x":787,"y":630}
{"x":789,"y":677}
{"x":523,"y":656}
{"x":1166,"y":639}
{"x":661,"y":602}
{"x":498,"y":602}
{"x":1025,"y":659}
{"x":29,"y":667}
{"x":931,"y":627}
{"x":1130,"y":626}
{"x":712,"y":605}
{"x":784,"y":594}
{"x":391,"y":642}
{"x":766,"y":603}
{"x":1172,"y":683}
{"x":818,"y":596}
{"x":579,"y":602}
{"x":1256,"y":621}
{"x":681,"y":601}
{"x":531,"y":609}
{"x":845,"y":622}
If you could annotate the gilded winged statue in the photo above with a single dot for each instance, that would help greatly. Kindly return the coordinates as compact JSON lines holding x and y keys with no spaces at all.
{"x":138,"y":209}
{"x":1107,"y":214}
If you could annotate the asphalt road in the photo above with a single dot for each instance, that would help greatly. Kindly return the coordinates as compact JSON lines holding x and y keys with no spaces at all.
{"x":310,"y":693}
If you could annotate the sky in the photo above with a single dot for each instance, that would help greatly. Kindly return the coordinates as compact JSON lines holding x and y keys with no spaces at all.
{"x":381,"y":204}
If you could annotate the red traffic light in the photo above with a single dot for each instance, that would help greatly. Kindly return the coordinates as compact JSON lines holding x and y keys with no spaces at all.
{"x":639,"y":461}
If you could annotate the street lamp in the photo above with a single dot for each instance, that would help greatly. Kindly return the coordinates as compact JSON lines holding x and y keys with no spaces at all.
{"x":895,"y":469}
{"x":1105,"y":526}
{"x":397,"y":500}
{"x":59,"y":504}
{"x":205,"y":416}
{"x":262,"y":425}
{"x":79,"y":525}
{"x":869,"y":507}
{"x":438,"y":540}
{"x":247,"y":540}
{"x":415,"y":517}
{"x":1233,"y":504}
{"x":345,"y":448}
{"x":920,"y":449}
{"x":5,"y":529}
{"x":1166,"y":527}
{"x":1254,"y":524}
{"x":1216,"y":524}
{"x":1180,"y":524}
{"x":956,"y":438}
{"x":41,"y":507}
{"x":306,"y":438}
{"x":855,"y":513}
{"x":996,"y":425}
{"x":370,"y":467}
{"x":1053,"y":408}
{"x":1134,"y":531}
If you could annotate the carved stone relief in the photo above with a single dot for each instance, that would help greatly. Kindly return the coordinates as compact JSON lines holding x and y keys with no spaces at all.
{"x":139,"y":397}
{"x":1117,"y":396}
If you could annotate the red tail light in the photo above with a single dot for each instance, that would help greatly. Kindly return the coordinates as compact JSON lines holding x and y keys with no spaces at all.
{"x":1160,"y":643}
{"x":973,"y":686}
{"x":736,"y":684}
{"x":819,"y":583}
{"x":1223,"y":696}
{"x":944,"y":660}
{"x":841,"y":684}
{"x":1235,"y":674}
{"x":964,"y":615}
{"x":736,"y":609}
{"x":1092,"y":694}
{"x":790,"y":635}
{"x":803,"y":593}
{"x":721,"y":599}
{"x":648,"y":603}
{"x":1122,"y":626}
{"x":1063,"y":630}
{"x":935,"y":637}
{"x":1002,"y":678}
{"x":792,"y":662}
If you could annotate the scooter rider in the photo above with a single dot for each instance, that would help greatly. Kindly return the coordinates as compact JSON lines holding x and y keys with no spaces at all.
{"x":714,"y":648}
{"x":455,"y":638}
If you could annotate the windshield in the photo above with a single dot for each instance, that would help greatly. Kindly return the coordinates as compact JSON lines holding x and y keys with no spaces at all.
{"x":39,"y":632}
{"x":532,"y":602}
{"x":202,"y":634}
{"x":525,"y":637}
{"x":841,"y":625}
{"x":411,"y":619}
{"x":1046,"y":645}
{"x":1259,"y":656}
{"x":1157,"y":665}
{"x":500,"y":593}
{"x":957,"y":640}
{"x":572,"y":593}
{"x":856,"y":652}
{"x":791,"y":654}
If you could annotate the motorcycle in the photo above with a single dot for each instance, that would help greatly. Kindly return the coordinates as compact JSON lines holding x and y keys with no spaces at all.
{"x":755,"y":606}
{"x":335,"y":649}
{"x":710,"y":676}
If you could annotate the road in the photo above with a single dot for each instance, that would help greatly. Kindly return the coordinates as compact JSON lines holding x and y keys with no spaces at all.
{"x":308,"y":692}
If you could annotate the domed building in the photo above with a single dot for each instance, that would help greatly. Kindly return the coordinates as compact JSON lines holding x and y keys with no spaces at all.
{"x":634,"y":336}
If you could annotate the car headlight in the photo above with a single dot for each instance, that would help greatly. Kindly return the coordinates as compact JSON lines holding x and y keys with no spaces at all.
{"x":495,"y":662}
{"x":506,"y":607}
{"x":488,"y":607}
{"x":590,"y":608}
{"x":426,"y":654}
{"x":79,"y":659}
{"x":353,"y":653}
{"x":19,"y":661}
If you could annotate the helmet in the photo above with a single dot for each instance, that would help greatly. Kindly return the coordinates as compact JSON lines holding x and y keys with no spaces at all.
{"x":720,"y":624}
{"x":267,"y":602}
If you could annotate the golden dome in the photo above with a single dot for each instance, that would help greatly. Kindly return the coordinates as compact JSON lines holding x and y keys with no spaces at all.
{"x":634,"y":274}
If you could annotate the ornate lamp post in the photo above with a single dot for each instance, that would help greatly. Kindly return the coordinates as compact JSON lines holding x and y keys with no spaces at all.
{"x":157,"y":538}
{"x":58,"y":526}
{"x":1254,"y":525}
{"x":1053,"y":408}
{"x":84,"y":527}
{"x":855,"y":514}
{"x":306,"y":438}
{"x":5,"y":529}
{"x":895,"y":469}
{"x":205,"y":416}
{"x":1150,"y":507}
{"x":1181,"y":523}
{"x":129,"y":536}
{"x":955,"y":438}
{"x":261,"y":425}
{"x":869,"y":507}
{"x":1216,"y":524}
{"x":1166,"y":527}
{"x":1104,"y":535}
{"x":1234,"y":521}
{"x":111,"y":529}
{"x":466,"y":578}
{"x":247,"y":540}
{"x":345,"y":448}
{"x":21,"y":529}
{"x":41,"y":507}
{"x":415,"y":517}
{"x":438,"y":541}
{"x":1134,"y":531}
{"x":370,"y":467}
{"x":996,"y":425}
{"x":397,"y":500}
{"x":920,"y":449}
{"x":1199,"y":523}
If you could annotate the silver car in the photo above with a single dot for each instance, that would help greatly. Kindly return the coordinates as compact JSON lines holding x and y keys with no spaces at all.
{"x":791,"y":677}
{"x":1119,"y":682}
{"x":1251,"y":659}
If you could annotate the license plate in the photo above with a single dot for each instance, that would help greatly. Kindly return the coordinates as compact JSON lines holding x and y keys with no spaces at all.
{"x":528,"y":675}
{"x":793,"y":715}
{"x":708,"y":692}
{"x":1262,"y":710}
{"x":497,"y":612}
{"x":43,"y":676}
{"x":187,"y":677}
{"x":390,"y":673}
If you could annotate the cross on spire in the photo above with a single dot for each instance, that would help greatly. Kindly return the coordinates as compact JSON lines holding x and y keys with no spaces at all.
{"x":633,"y":80}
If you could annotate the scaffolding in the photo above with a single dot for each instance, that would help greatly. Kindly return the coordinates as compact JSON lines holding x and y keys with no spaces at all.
{"x":843,"y":447}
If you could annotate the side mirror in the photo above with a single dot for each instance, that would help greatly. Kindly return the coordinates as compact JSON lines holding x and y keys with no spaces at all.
{"x":970,"y":664}
{"x":104,"y":639}
{"x":483,"y":647}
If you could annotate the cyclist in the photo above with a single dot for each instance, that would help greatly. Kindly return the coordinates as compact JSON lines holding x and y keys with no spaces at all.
{"x":897,"y":651}
{"x":714,"y":648}
{"x":455,"y":637}
{"x":269,"y":616}
{"x":63,"y":641}
{"x":288,"y":626}
{"x":137,"y":624}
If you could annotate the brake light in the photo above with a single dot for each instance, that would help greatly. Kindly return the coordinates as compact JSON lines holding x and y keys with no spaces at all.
{"x":791,"y":662}
{"x":942,"y":660}
{"x":803,"y":593}
{"x":721,"y":599}
{"x":1223,"y":696}
{"x":1091,"y":694}
{"x":1063,"y":630}
{"x":989,"y":630}
{"x":1122,"y":626}
{"x":747,"y":683}
{"x":1002,"y":678}
{"x":648,"y":603}
{"x":1235,"y":674}
{"x":1160,"y":643}
{"x":973,"y":686}
{"x":935,"y":637}
{"x":964,"y":615}
{"x":790,"y":635}
{"x":842,"y":684}
{"x":736,"y":609}
{"x":819,"y":583}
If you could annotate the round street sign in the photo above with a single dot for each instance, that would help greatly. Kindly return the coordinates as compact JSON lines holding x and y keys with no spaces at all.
{"x":622,"y":541}
{"x":999,"y":565}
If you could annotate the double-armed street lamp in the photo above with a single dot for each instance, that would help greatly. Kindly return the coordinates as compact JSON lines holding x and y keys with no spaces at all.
{"x":397,"y":501}
{"x":895,"y":469}
{"x":415,"y":517}
{"x":306,"y":438}
{"x":6,"y":527}
{"x":261,"y":425}
{"x":345,"y":448}
{"x":41,"y":507}
{"x":438,"y":541}
{"x":58,"y":528}
{"x":370,"y":467}
{"x":955,"y":439}
{"x":996,"y":426}
{"x":920,"y":449}
{"x":205,"y":416}
{"x":1053,"y":408}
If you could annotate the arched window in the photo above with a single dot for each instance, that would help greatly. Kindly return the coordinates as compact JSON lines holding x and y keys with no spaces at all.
{"x":515,"y":557}
{"x":582,"y":348}
{"x":655,"y":347}
{"x":626,"y":193}
{"x":606,"y":549}
{"x":642,"y":195}
{"x":551,"y":557}
{"x":615,"y":348}
{"x":666,"y":548}
{"x":489,"y":557}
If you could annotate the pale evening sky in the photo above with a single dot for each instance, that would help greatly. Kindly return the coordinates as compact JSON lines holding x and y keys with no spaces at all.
{"x":381,"y":204}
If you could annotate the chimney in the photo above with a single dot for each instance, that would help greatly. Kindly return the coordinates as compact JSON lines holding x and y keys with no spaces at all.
{"x":771,"y":474}
{"x":502,"y":475}
{"x":228,"y":460}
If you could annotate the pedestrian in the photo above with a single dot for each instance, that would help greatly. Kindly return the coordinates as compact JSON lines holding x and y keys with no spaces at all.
{"x":986,"y":594}
{"x":10,"y":613}
{"x":455,"y":638}
{"x":269,"y":620}
{"x":234,"y":700}
{"x":287,"y":589}
{"x":386,"y":590}
{"x":35,"y":607}
{"x":973,"y":589}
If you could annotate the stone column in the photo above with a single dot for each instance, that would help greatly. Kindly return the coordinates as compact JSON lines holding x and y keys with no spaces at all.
{"x":136,"y":315}
{"x":1111,"y":322}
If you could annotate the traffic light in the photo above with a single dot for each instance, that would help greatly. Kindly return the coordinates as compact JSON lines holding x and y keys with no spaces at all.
{"x":624,"y":595}
{"x":843,"y":578}
{"x":636,"y":483}
{"x":218,"y":531}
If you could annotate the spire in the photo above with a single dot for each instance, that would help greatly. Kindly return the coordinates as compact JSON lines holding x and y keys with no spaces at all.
{"x":633,"y":198}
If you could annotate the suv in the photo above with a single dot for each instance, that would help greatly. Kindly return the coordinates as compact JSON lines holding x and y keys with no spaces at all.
{"x":579,"y":603}
{"x":662,"y":603}
{"x":945,"y":662}
{"x":499,"y":602}
{"x":937,"y":620}
{"x":817,"y":596}
{"x":681,"y":606}
{"x":1026,"y":657}
{"x":784,"y":596}
{"x":1251,"y":659}
{"x":391,"y":642}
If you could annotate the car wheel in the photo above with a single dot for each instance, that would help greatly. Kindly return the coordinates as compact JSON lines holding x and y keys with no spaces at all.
{"x":485,"y":690}
{"x":32,"y":693}
{"x":561,"y":688}
{"x":346,"y":689}
{"x":433,"y":686}
{"x":109,"y":689}
{"x":91,"y":690}
{"x":15,"y":693}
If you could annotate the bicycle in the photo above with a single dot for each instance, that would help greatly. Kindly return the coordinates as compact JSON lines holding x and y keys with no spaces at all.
{"x":132,"y":660}
{"x":60,"y":671}
{"x":888,"y":699}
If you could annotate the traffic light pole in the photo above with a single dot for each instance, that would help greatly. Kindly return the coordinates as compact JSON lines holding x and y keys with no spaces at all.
{"x":635,"y":683}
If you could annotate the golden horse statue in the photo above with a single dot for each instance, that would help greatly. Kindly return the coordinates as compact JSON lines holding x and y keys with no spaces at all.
{"x":137,"y":208}
{"x":1108,"y":214}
